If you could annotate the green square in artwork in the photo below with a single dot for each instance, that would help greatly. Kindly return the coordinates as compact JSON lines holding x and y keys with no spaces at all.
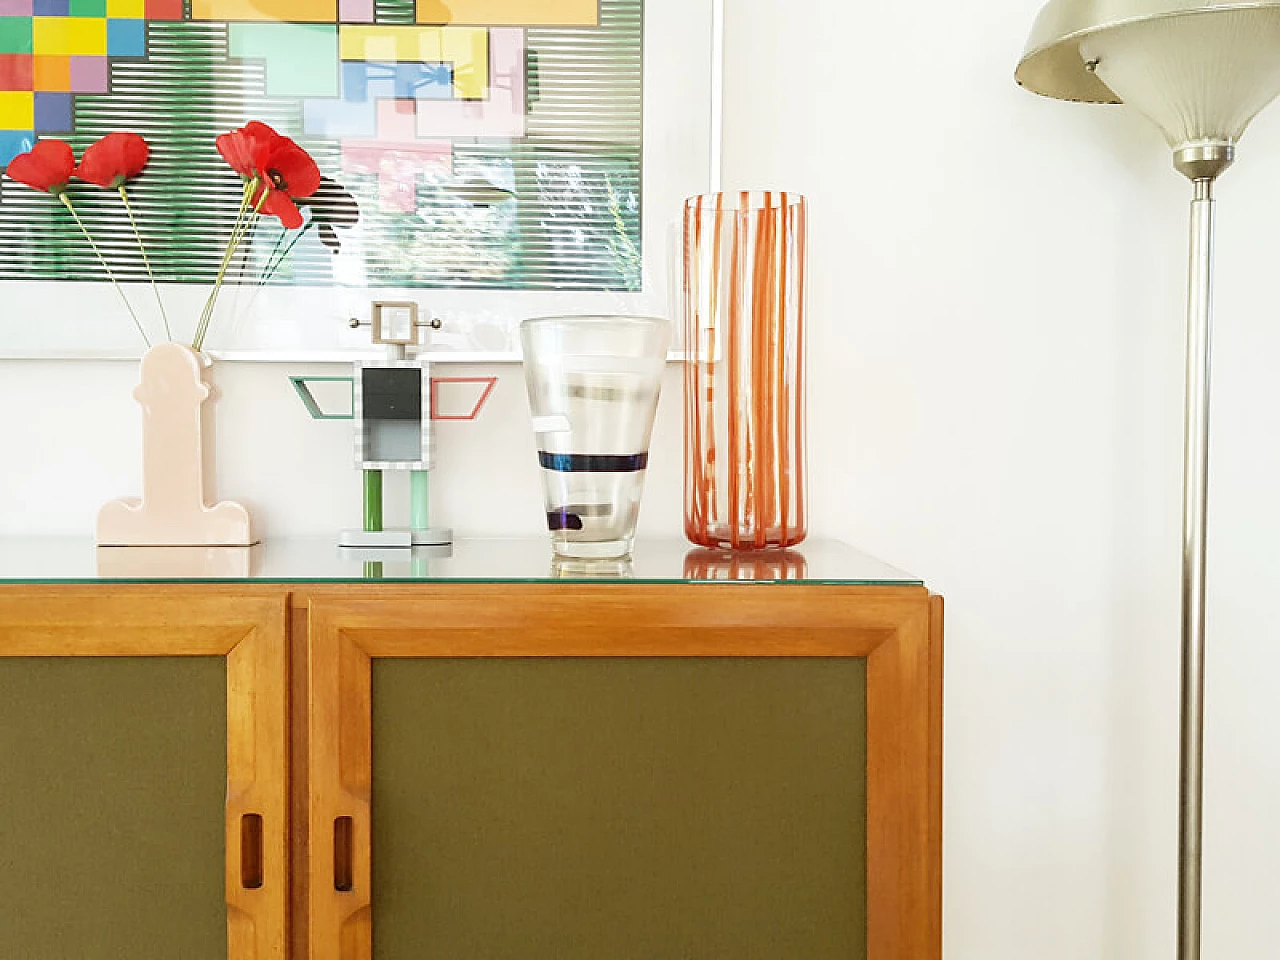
{"x":15,"y":34}
{"x":88,"y":8}
{"x":300,"y":58}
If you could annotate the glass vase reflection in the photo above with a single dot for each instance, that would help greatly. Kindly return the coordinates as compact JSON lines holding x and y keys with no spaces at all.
{"x":754,"y":565}
{"x":593,"y":391}
{"x":603,"y":568}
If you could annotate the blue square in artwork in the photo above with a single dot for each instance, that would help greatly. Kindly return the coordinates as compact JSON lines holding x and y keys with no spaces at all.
{"x":428,"y":81}
{"x":363,"y":82}
{"x":126,"y":38}
{"x":378,"y":81}
{"x":355,"y":82}
{"x":14,"y":142}
{"x":51,"y":8}
{"x":338,"y":118}
{"x":53,"y":112}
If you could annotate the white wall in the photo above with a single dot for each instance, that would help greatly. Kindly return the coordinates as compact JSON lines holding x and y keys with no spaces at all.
{"x":997,"y":340}
{"x":74,"y":428}
{"x":995,"y":396}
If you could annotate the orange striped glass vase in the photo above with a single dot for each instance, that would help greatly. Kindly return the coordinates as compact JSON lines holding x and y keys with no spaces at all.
{"x":744,"y":304}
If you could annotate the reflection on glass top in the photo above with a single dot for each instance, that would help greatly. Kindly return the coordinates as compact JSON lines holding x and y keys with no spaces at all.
{"x":77,"y":560}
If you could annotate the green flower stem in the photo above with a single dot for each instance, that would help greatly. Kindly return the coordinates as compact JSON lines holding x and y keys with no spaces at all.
{"x":66,"y":202}
{"x":244,"y":258}
{"x":198,"y":338}
{"x":128,"y":208}
{"x":247,"y":250}
{"x":272,"y":267}
{"x":275,"y":248}
{"x":273,"y":262}
{"x":237,"y":234}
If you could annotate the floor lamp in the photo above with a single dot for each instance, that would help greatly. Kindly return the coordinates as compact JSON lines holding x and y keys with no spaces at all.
{"x":1200,"y":70}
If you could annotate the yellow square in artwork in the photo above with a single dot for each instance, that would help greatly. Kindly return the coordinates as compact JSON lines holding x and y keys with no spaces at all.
{"x":69,"y":36}
{"x":465,"y":48}
{"x":17,"y":110}
{"x":510,"y":13}
{"x":127,"y":9}
{"x":270,"y":11}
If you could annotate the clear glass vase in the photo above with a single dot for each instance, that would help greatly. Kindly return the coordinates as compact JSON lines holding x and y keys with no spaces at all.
{"x":593,"y":390}
{"x":744,"y":417}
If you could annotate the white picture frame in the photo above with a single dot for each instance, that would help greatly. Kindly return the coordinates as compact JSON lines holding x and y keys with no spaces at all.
{"x":682,"y":97}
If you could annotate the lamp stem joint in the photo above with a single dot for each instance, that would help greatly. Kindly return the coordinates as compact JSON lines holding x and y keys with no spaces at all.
{"x":1202,"y":162}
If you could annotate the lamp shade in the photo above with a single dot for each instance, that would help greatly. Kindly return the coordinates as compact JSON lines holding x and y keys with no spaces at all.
{"x":1199,"y":77}
{"x":1199,"y":69}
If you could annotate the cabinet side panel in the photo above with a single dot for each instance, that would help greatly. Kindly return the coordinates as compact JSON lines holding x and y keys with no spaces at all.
{"x":111,"y":807}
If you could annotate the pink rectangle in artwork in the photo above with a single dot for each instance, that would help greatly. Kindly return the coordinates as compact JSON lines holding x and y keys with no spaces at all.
{"x":398,"y":164}
{"x":502,"y":114}
{"x":355,"y":11}
{"x":89,"y":75}
{"x":15,"y":8}
{"x":395,"y":121}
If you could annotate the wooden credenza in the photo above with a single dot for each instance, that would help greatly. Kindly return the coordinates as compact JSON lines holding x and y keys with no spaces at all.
{"x":487,"y":755}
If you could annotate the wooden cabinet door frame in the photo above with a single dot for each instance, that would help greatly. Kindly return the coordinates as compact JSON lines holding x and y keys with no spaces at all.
{"x":250,"y":632}
{"x":897,"y":629}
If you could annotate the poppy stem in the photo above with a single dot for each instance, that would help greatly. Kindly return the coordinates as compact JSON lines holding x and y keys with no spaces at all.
{"x":66,"y":202}
{"x":128,"y":208}
{"x":246,"y":256}
{"x":197,"y":340}
{"x":237,"y":233}
{"x":273,"y":267}
{"x":240,"y":264}
{"x":270,"y":267}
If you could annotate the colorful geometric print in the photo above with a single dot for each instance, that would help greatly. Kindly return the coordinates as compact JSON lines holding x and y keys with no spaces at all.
{"x":496,"y":13}
{"x":65,"y":47}
{"x":51,"y":49}
{"x":394,"y":98}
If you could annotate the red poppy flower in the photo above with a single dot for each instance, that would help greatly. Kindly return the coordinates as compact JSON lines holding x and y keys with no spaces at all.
{"x":287,"y":172}
{"x":47,"y":166}
{"x":242,"y":148}
{"x":283,"y":169}
{"x":115,"y":158}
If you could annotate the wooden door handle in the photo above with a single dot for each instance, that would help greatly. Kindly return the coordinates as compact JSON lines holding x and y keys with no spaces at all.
{"x":343,"y":855}
{"x":251,"y":851}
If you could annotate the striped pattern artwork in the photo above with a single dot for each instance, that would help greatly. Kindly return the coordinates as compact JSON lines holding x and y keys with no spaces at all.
{"x":490,"y":144}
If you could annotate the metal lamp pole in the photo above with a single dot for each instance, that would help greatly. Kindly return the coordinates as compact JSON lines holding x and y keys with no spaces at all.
{"x":1201,"y":164}
{"x":1200,"y":70}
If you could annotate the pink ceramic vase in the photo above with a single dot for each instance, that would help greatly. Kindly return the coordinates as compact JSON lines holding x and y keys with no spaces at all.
{"x":175,"y":508}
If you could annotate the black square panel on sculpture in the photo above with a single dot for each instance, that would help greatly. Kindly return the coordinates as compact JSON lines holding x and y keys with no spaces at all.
{"x":392,"y":393}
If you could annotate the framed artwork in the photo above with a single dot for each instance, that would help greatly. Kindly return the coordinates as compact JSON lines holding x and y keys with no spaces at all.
{"x":487,"y":160}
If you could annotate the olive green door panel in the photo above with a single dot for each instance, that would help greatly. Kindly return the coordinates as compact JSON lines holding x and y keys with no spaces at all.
{"x":113,"y":780}
{"x":619,"y":809}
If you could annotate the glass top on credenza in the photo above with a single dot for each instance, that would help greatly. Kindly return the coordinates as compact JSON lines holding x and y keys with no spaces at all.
{"x":321,"y":560}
